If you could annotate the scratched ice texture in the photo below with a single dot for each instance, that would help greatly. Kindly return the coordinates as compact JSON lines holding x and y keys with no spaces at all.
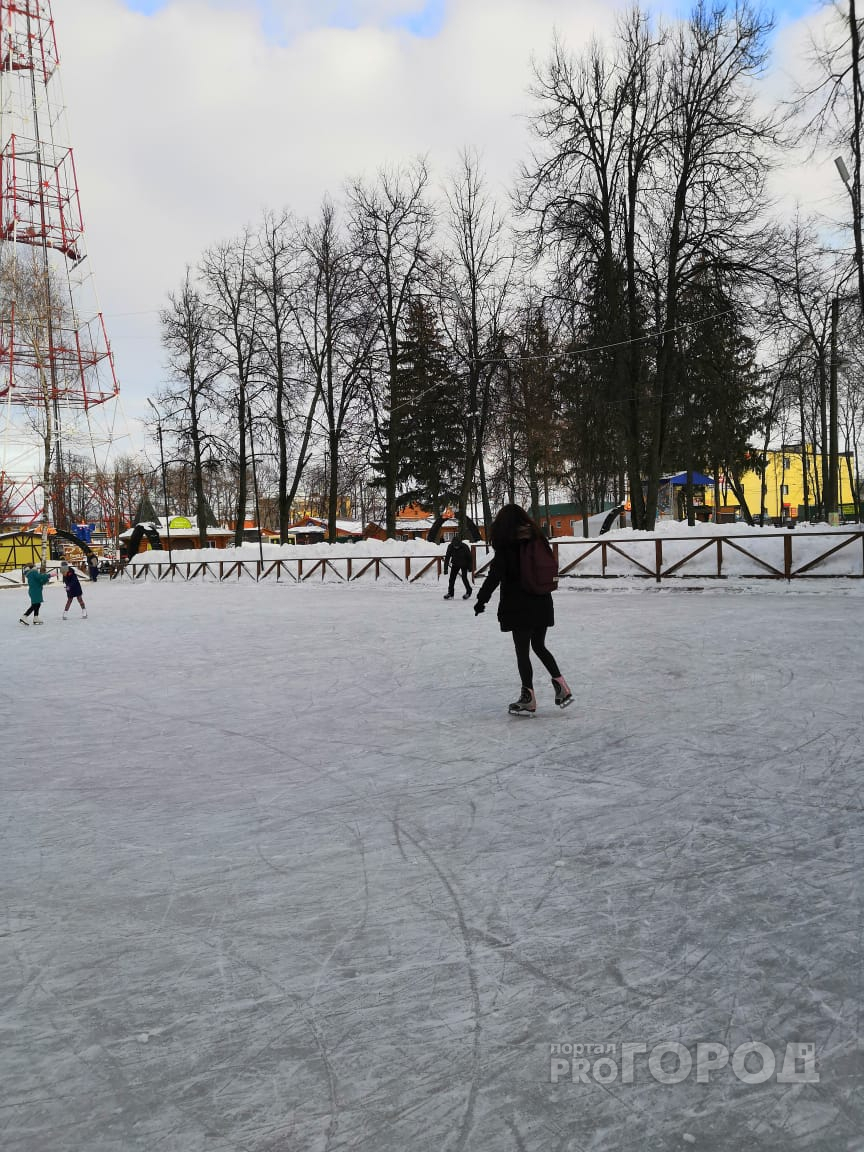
{"x":279,"y":873}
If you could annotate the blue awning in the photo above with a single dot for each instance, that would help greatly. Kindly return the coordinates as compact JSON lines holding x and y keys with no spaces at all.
{"x":681,"y":478}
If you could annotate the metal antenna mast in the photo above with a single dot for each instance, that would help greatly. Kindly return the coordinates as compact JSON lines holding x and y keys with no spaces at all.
{"x":55,"y":359}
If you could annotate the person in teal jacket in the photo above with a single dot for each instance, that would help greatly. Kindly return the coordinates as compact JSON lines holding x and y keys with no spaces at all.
{"x":36,"y":580}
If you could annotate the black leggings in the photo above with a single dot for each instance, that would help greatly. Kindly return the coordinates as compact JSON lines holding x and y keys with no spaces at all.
{"x":454,"y":572}
{"x":34,"y":608}
{"x":524,"y":640}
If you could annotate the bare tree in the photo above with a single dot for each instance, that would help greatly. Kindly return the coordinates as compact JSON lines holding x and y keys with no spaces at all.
{"x":601,"y":124}
{"x":392,"y":226}
{"x":475,"y":278}
{"x":187,"y":338}
{"x":654,"y":164}
{"x":335,"y":332}
{"x":277,"y":273}
{"x":831,"y":109}
{"x":232,"y":304}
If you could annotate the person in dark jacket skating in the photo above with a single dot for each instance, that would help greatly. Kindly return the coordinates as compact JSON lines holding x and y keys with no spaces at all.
{"x":458,"y":559}
{"x":526,"y":614}
{"x":73,"y":590}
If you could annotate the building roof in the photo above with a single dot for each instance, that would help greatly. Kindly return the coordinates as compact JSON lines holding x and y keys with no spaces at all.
{"x":681,"y":478}
{"x":180,"y":533}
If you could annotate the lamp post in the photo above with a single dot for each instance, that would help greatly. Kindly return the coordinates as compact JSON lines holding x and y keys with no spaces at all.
{"x":164,"y":481}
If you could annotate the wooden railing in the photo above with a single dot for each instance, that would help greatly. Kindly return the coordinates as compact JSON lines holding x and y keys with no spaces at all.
{"x":405,"y":569}
{"x":766,"y":555}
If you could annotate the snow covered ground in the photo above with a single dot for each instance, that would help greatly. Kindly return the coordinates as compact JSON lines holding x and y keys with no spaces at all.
{"x":278,"y":873}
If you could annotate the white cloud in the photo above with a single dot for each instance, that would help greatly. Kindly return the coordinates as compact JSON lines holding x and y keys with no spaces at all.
{"x":186,"y":124}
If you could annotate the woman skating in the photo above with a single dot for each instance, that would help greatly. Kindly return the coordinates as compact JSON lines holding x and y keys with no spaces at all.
{"x":36,"y":579}
{"x":527,"y":614}
{"x":73,"y":590}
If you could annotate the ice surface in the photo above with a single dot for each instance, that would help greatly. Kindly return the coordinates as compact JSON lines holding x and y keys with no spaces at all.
{"x":278,"y":872}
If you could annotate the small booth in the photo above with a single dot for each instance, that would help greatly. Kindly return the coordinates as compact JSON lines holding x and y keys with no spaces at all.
{"x":672,"y":497}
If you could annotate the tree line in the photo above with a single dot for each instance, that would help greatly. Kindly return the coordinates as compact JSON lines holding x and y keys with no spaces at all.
{"x":637,"y":306}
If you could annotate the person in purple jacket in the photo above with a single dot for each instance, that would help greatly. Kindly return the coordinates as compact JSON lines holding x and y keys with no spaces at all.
{"x":73,"y":590}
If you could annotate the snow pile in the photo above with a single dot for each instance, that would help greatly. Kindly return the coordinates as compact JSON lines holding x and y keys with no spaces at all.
{"x":270,"y":552}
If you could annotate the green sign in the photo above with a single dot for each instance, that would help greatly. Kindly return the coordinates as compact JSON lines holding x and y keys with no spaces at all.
{"x":179,"y":522}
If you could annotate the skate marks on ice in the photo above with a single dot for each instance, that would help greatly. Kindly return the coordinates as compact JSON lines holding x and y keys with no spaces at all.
{"x":324,"y":894}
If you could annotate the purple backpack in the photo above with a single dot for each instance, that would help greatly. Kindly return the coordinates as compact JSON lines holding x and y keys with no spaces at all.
{"x":538,"y":568}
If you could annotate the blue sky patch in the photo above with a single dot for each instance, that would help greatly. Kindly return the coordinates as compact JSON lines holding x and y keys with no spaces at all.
{"x":429,"y":20}
{"x":148,"y":7}
{"x":426,"y":23}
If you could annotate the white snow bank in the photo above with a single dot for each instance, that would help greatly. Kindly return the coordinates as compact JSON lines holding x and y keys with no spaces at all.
{"x":295,"y":552}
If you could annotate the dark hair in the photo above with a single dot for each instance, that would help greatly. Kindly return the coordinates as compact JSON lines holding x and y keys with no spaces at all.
{"x":511,"y":524}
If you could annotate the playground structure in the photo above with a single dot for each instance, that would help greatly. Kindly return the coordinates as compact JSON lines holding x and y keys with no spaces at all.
{"x":56,"y":367}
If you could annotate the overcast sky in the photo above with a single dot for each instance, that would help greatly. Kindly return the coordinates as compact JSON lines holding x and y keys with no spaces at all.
{"x":189,"y":117}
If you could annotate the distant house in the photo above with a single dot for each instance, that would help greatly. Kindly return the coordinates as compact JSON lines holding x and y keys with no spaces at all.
{"x":181,"y":532}
{"x":313,"y":530}
{"x":413,"y":523}
{"x":565,"y":519}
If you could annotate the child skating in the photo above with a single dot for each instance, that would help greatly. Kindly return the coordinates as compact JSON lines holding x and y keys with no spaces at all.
{"x":524,"y":567}
{"x":36,"y":580}
{"x":73,"y":590}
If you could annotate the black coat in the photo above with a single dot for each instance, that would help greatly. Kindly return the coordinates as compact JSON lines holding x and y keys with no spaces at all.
{"x":458,"y":554}
{"x":73,"y":584}
{"x":517,"y":608}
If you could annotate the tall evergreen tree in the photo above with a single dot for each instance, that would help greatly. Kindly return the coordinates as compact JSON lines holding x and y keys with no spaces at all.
{"x":434,"y":421}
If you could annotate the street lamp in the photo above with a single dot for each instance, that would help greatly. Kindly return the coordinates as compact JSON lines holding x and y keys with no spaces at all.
{"x":164,"y":481}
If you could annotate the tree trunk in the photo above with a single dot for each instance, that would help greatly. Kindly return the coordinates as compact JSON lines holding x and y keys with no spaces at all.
{"x":240,"y":506}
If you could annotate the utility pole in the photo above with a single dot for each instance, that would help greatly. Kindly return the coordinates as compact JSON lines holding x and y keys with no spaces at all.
{"x":804,"y":460}
{"x":829,"y":483}
{"x":164,"y":481}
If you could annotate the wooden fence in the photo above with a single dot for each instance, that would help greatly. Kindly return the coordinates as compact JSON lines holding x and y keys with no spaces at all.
{"x":766,"y":555}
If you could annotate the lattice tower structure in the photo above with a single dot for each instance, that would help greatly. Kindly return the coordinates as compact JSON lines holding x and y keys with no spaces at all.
{"x":56,"y":366}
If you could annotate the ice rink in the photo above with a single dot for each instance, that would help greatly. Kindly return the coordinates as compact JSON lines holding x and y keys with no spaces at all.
{"x":279,"y":874}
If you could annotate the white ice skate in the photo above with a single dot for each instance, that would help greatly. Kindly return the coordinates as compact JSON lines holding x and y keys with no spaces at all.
{"x":21,"y":620}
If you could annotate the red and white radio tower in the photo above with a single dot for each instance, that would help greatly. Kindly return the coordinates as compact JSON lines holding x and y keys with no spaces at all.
{"x":55,"y":360}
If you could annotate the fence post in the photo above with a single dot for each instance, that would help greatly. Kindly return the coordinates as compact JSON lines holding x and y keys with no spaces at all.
{"x":658,"y":558}
{"x":407,"y":569}
{"x":603,"y":558}
{"x":787,"y":556}
{"x":719,"y":556}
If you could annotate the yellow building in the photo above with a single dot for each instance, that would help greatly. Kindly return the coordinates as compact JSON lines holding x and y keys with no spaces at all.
{"x":20,"y":548}
{"x":784,"y":484}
